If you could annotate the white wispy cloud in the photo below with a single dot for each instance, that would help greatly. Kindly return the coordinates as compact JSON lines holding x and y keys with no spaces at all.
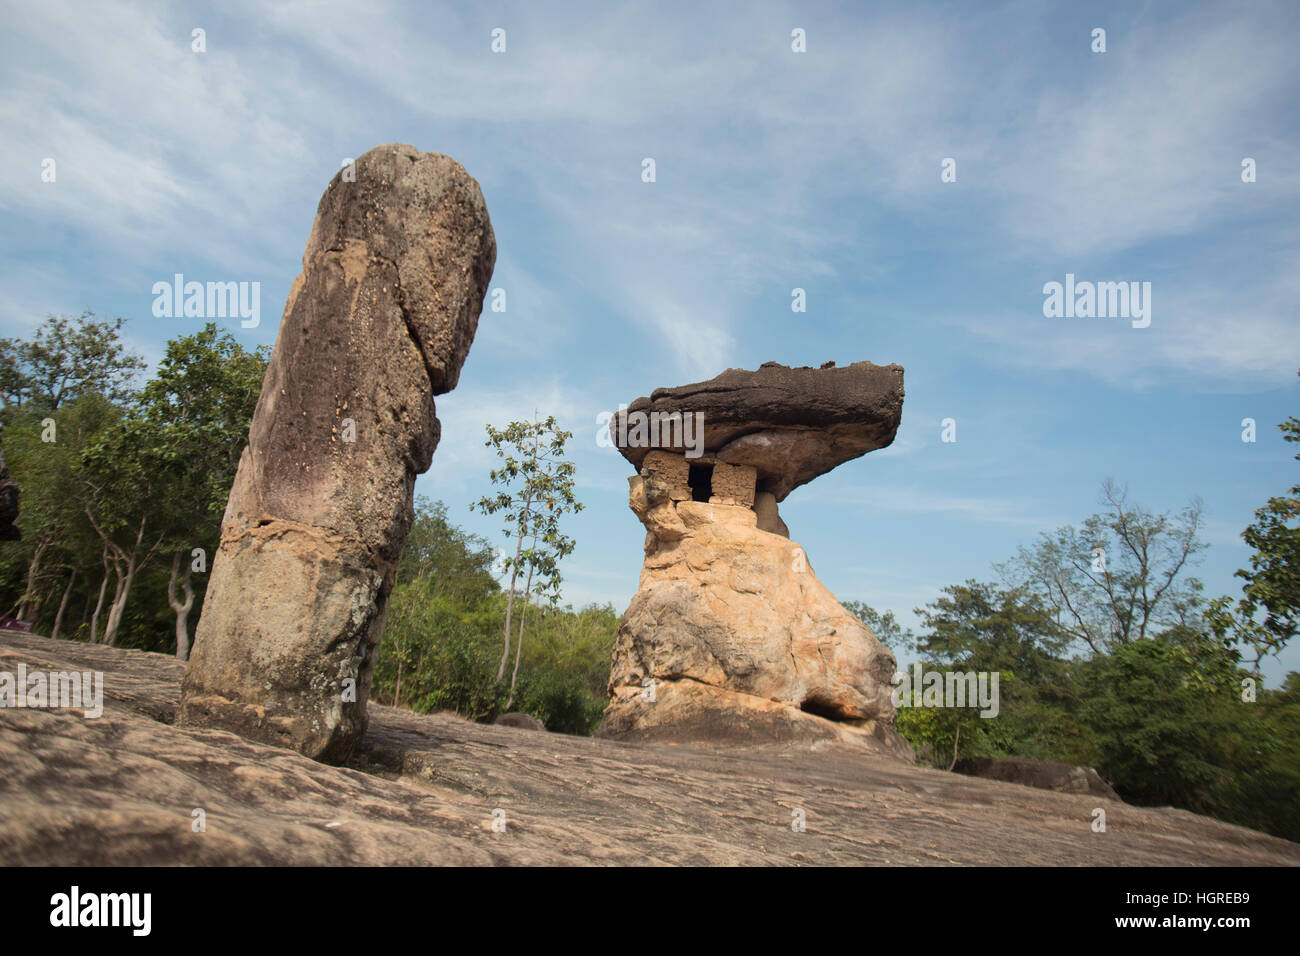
{"x":774,"y":169}
{"x":896,"y":499}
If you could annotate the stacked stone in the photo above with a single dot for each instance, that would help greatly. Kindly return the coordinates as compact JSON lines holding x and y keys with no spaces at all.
{"x":730,"y":636}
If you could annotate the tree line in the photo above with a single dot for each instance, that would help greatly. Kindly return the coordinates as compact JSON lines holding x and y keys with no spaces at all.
{"x":1109,"y":652}
{"x":1110,"y":656}
{"x":123,"y":487}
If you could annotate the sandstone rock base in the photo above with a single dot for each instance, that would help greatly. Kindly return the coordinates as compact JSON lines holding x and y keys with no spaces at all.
{"x":687,"y":712}
{"x":740,"y":640}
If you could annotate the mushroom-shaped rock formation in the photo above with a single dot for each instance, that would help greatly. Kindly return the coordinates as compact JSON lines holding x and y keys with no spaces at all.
{"x":730,"y":636}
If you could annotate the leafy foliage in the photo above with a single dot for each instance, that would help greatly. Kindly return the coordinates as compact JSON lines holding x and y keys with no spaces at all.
{"x":1163,"y":737}
{"x":1164,"y":718}
{"x":1269,"y":797}
{"x":1273,"y":579}
{"x":537,"y":489}
{"x":445,"y":618}
{"x":67,"y":358}
{"x":1119,"y":577}
{"x":127,"y":476}
{"x":981,"y":628}
{"x":885,"y":626}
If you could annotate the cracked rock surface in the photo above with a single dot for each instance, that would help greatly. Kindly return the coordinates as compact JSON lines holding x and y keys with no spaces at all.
{"x":379,"y":322}
{"x":122,"y":790}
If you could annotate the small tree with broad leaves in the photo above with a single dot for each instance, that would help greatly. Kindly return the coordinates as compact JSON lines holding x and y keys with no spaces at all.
{"x":1273,"y":579}
{"x":537,"y":490}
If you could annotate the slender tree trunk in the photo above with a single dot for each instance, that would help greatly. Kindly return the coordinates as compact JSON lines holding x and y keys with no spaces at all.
{"x":510,"y":598}
{"x":85,"y":609}
{"x":115,"y":609}
{"x":523,"y":530}
{"x":124,"y":578}
{"x":103,"y":586}
{"x":29,"y":605}
{"x":63,"y":604}
{"x":182,"y":608}
{"x":398,"y":625}
{"x":519,"y":644}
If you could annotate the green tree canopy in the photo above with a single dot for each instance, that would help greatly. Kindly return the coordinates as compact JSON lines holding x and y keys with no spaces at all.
{"x":67,"y":358}
{"x":884,"y":625}
{"x":1164,"y":737}
{"x":1273,"y":578}
{"x":1120,"y":578}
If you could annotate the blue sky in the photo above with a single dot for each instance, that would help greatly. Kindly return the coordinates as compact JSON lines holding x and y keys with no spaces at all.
{"x":775,"y":170}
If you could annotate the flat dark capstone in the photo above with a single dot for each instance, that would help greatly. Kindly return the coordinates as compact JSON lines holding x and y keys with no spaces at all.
{"x":792,"y":424}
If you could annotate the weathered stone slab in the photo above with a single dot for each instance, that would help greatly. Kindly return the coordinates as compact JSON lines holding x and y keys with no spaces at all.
{"x":791,"y":424}
{"x":1043,"y":774}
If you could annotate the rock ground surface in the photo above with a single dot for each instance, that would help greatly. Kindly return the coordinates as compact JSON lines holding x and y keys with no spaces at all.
{"x":121,"y":789}
{"x":378,"y":323}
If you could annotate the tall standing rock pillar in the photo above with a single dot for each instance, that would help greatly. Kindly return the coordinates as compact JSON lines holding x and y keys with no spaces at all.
{"x":378,"y":323}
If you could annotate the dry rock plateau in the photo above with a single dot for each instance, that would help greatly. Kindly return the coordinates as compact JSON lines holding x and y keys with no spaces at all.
{"x":730,"y":637}
{"x":121,"y":789}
